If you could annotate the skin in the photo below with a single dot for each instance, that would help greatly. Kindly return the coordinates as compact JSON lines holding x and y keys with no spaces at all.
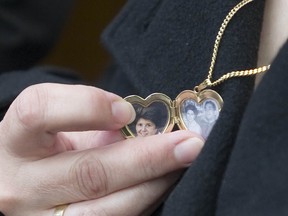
{"x":52,"y":153}
{"x":145,"y":127}
{"x":274,"y":32}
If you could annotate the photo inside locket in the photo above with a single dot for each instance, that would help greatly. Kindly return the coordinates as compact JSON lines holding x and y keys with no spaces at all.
{"x":150,"y":120}
{"x":200,"y":118}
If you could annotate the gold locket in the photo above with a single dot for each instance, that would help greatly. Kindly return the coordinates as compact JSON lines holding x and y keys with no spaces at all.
{"x":165,"y":113}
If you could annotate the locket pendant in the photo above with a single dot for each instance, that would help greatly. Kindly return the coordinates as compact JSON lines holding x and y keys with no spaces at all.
{"x":191,"y":110}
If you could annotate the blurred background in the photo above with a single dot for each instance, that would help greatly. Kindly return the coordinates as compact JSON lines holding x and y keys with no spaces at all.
{"x":79,"y":47}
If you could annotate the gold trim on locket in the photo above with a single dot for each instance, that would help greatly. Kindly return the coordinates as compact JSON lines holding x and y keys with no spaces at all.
{"x":174,"y":112}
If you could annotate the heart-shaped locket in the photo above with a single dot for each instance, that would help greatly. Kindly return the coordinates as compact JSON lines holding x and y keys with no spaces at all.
{"x":156,"y":114}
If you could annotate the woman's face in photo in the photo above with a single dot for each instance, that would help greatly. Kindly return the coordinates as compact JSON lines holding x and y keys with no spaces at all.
{"x":190,"y":115}
{"x":145,"y":127}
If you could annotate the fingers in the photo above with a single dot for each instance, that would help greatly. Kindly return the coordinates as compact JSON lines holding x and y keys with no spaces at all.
{"x":89,"y":139}
{"x":76,"y":176}
{"x":54,"y":107}
{"x":42,"y":110}
{"x":138,"y":200}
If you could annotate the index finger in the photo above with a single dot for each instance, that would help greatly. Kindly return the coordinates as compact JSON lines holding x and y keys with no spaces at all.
{"x":58,"y":107}
{"x":45,"y":109}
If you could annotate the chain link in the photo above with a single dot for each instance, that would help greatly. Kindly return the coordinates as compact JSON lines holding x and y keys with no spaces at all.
{"x":208,"y":82}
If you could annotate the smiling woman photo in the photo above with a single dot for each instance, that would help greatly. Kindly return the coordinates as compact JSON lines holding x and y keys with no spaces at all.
{"x":150,"y":120}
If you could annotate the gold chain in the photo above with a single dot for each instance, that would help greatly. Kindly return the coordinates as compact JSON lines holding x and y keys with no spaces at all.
{"x":207,"y":82}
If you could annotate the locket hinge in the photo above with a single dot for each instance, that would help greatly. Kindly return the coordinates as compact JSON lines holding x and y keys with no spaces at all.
{"x":174,"y":115}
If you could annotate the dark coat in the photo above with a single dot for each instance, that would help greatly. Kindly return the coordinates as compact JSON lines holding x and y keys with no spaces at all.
{"x":166,"y":46}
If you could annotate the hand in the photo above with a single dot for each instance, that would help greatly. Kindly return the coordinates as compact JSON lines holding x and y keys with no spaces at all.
{"x":61,"y":144}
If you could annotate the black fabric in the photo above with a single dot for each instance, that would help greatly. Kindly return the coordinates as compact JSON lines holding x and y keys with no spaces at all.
{"x":166,"y":46}
{"x":255,"y":182}
{"x":28,"y":30}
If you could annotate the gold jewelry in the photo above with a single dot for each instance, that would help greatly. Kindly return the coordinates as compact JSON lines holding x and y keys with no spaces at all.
{"x":60,"y":210}
{"x":205,"y":104}
{"x":207,"y":82}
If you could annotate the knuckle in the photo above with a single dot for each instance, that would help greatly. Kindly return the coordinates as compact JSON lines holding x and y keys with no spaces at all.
{"x":100,"y":102}
{"x":97,"y":95}
{"x":94,"y":95}
{"x":30,"y":106}
{"x":90,"y":177}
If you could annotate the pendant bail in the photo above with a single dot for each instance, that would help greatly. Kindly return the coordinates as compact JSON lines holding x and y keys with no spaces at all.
{"x":206,"y":83}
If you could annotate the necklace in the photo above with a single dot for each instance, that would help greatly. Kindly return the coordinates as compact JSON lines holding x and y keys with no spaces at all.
{"x":196,"y":110}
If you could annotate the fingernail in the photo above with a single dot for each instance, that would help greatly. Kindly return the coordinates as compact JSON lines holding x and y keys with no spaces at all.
{"x":187,"y":151}
{"x":123,"y":111}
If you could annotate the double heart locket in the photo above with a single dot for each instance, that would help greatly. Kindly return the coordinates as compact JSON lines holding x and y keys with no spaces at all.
{"x":191,"y":110}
